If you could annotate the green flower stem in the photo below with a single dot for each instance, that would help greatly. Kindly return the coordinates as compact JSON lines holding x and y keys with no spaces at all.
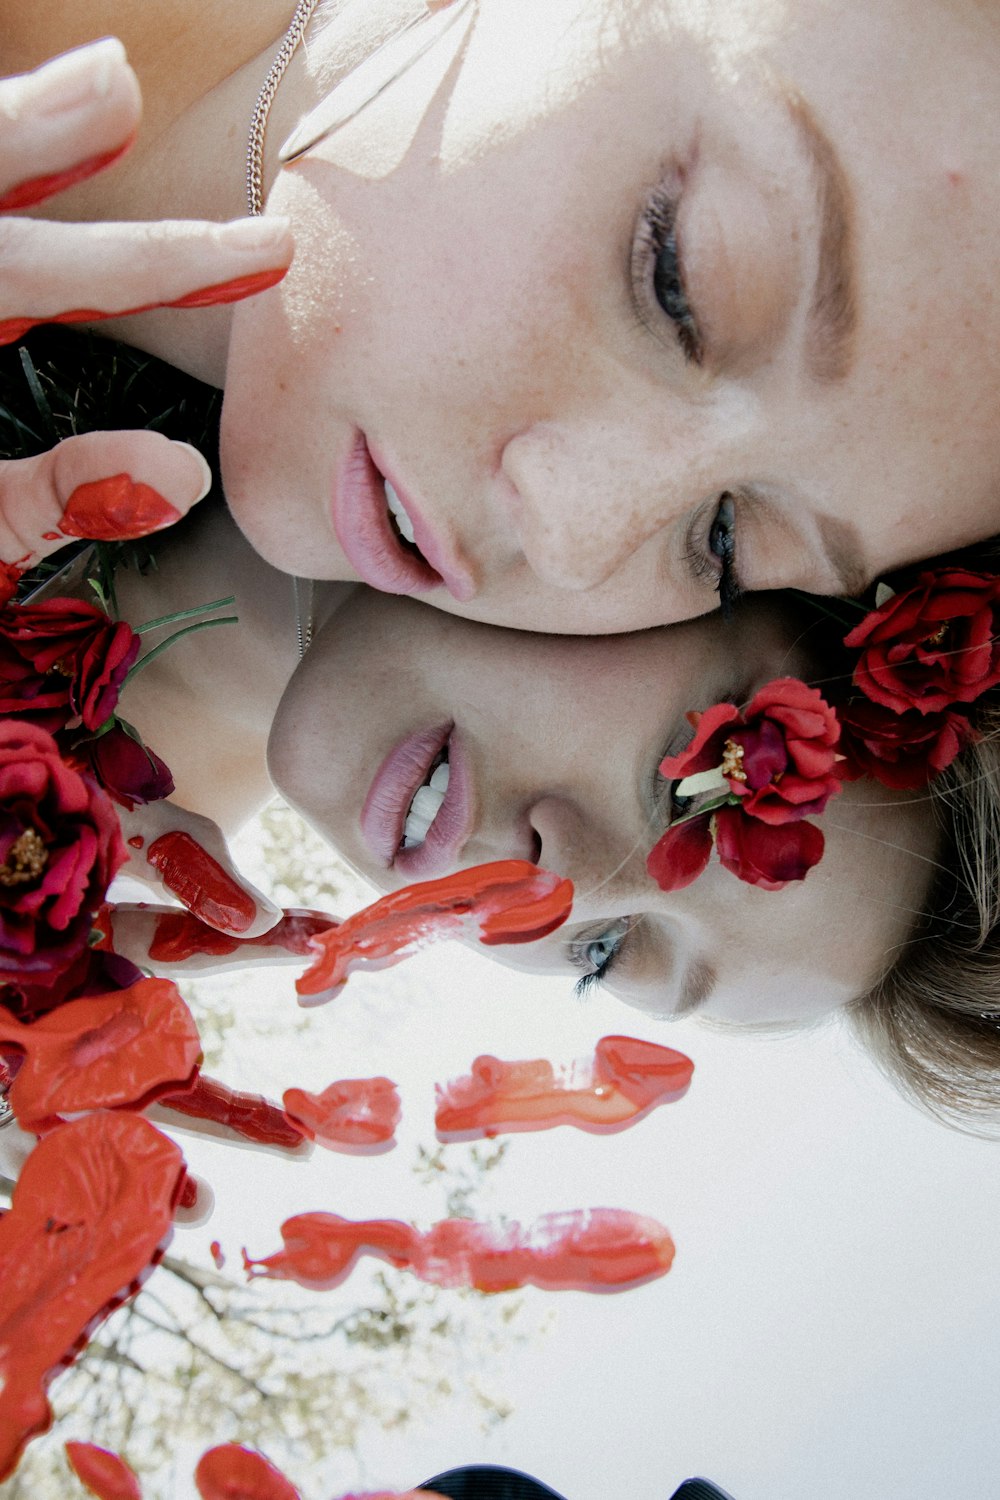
{"x":185,"y":614}
{"x":188,"y":630}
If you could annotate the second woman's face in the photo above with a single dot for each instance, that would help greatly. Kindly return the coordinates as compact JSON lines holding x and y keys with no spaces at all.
{"x":588,"y":267}
{"x":552,"y":749}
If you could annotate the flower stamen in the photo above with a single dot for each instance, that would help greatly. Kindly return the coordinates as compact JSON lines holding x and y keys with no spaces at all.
{"x":732,"y":761}
{"x":26,"y":859}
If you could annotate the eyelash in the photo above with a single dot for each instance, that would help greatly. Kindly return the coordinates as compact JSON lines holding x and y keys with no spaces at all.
{"x":658,"y":230}
{"x":595,"y":975}
{"x":725,"y":577}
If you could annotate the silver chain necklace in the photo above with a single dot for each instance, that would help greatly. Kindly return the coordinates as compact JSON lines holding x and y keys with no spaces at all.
{"x":262,"y":108}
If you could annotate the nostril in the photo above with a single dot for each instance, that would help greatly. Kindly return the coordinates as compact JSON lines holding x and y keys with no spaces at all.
{"x":536,"y":848}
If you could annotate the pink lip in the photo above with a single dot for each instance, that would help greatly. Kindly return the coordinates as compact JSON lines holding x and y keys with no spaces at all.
{"x":391,"y":792}
{"x":366,"y":534}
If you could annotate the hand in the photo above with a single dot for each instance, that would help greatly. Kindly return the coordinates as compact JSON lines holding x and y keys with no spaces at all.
{"x":58,"y":125}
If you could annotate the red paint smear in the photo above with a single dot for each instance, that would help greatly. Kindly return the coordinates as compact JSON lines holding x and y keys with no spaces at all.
{"x":360,"y":1113}
{"x":510,"y":901}
{"x":104,"y":1052}
{"x":200,"y":882}
{"x":104,"y":1473}
{"x":587,"y":1250}
{"x":37,"y":189}
{"x":116,"y":510}
{"x":188,"y":1195}
{"x":91,"y":1215}
{"x":179,"y":935}
{"x":136,"y":841}
{"x":216,"y":1252}
{"x":51,"y":536}
{"x":624,"y":1080}
{"x":233,"y":290}
{"x":233,"y":1473}
{"x":249,"y":1115}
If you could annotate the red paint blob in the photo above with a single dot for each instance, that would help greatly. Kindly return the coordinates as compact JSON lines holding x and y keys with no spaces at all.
{"x":179,"y":935}
{"x":136,"y":841}
{"x":116,"y":510}
{"x":104,"y":1473}
{"x":509,"y":901}
{"x":587,"y":1250}
{"x":200,"y":882}
{"x":359,"y":1113}
{"x":624,"y":1080}
{"x":216,"y":1252}
{"x":36,"y":189}
{"x":91,"y":1215}
{"x":233,"y":1473}
{"x":51,"y":536}
{"x":249,"y":1115}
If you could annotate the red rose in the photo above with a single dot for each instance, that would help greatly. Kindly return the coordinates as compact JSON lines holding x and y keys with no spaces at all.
{"x":93,"y":972}
{"x":128,"y":771}
{"x":63,"y":657}
{"x":60,"y":846}
{"x":764,"y":854}
{"x":778,"y":756}
{"x":933,"y":645}
{"x":900,"y":750}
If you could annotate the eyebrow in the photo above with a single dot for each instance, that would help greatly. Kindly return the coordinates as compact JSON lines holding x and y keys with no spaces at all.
{"x":841,"y":542}
{"x":699,"y":982}
{"x":833,"y":309}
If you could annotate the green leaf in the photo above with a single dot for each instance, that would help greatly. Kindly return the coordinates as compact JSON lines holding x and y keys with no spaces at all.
{"x":164,"y":645}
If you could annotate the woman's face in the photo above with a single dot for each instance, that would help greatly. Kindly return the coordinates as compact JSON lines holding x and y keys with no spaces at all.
{"x":553,"y":747}
{"x":590,"y":266}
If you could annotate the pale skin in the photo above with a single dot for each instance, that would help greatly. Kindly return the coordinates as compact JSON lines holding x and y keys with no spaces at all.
{"x":473,"y":289}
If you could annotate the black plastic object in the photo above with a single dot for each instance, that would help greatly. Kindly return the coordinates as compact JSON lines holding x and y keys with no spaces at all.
{"x":487,"y":1482}
{"x":700,"y":1489}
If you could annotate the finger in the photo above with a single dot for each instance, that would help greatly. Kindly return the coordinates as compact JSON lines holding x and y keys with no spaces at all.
{"x":105,"y":486}
{"x":68,"y":119}
{"x":83,"y":273}
{"x":179,"y":853}
{"x":171,"y":941}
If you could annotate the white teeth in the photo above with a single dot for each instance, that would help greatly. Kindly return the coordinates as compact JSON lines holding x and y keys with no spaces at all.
{"x":425,"y":806}
{"x":398,"y":514}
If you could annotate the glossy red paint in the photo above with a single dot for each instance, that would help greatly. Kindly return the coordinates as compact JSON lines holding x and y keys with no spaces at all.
{"x":180,"y":935}
{"x":230,"y":1472}
{"x":90,"y":1217}
{"x":105,"y":1474}
{"x":619,"y":1085}
{"x":357,"y":1113}
{"x":106,"y":1052}
{"x":116,"y":509}
{"x":215,"y":1250}
{"x":136,"y":841}
{"x":200,"y":882}
{"x":509,"y":901}
{"x":36,"y":189}
{"x":249,"y":1115}
{"x":587,"y":1250}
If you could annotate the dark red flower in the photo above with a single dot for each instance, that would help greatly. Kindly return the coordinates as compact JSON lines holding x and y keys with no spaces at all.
{"x":763,"y":854}
{"x":61,"y":658}
{"x":778,"y":756}
{"x":93,"y":972}
{"x":932,"y":645}
{"x":60,"y":846}
{"x":903,"y":750}
{"x":128,"y":771}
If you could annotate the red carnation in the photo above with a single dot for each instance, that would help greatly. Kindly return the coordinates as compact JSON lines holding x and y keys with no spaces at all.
{"x":60,"y":846}
{"x":61,"y":658}
{"x":777,"y":762}
{"x":902,"y":750}
{"x":932,"y":645}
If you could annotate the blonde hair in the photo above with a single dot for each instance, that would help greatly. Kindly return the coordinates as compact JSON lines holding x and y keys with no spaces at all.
{"x":932,"y":1021}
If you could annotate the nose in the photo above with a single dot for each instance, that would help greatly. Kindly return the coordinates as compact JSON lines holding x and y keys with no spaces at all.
{"x":585,"y":498}
{"x":579,"y":844}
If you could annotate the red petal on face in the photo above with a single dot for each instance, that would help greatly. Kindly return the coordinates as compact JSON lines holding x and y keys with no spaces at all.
{"x":125,"y":1048}
{"x":623,"y":1081}
{"x":765,"y":855}
{"x":681,"y":854}
{"x":509,"y":901}
{"x":91,"y":1214}
{"x":587,"y":1250}
{"x":104,"y":1473}
{"x":705,"y":750}
{"x":233,"y":1473}
{"x":355,"y":1112}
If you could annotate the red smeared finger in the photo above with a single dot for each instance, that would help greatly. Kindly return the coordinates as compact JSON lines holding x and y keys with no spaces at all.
{"x":251,"y":1116}
{"x":36,"y":189}
{"x":105,"y":1474}
{"x":91,"y":1215}
{"x":625,"y":1079}
{"x":230,"y":1472}
{"x":170,"y":940}
{"x":353,"y":1114}
{"x":591,"y":1250}
{"x":116,"y":510}
{"x":105,"y":1052}
{"x":509,"y":901}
